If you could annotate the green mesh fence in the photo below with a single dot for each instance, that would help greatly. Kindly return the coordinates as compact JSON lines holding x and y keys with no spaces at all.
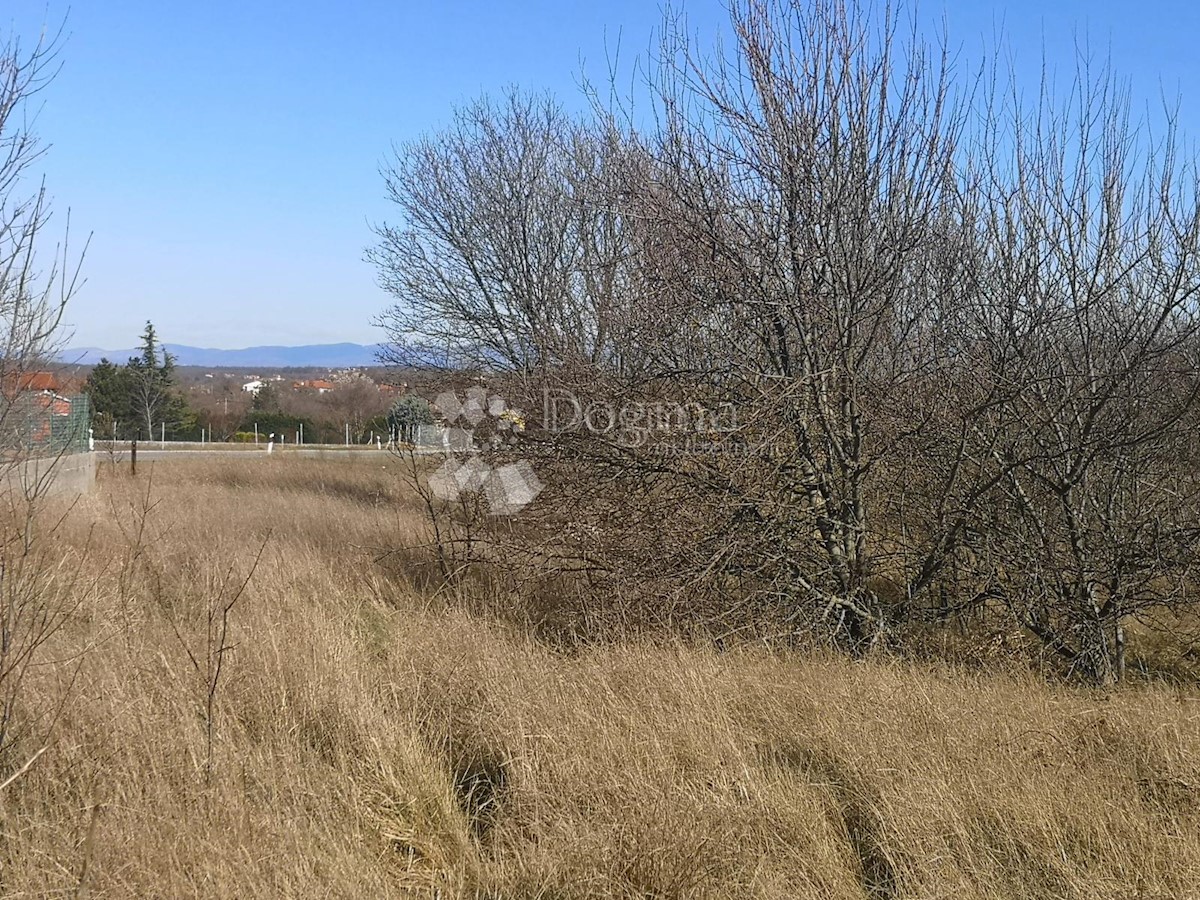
{"x":44,"y":424}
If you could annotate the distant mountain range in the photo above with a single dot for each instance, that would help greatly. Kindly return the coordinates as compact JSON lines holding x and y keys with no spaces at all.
{"x":333,"y":356}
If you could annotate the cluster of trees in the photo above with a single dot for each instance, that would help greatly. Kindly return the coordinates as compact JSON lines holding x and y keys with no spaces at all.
{"x":956,"y":329}
{"x":139,"y":399}
{"x":354,"y":404}
{"x":143,"y":399}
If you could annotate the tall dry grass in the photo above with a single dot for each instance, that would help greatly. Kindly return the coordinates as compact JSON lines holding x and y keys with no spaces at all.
{"x":371,"y":740}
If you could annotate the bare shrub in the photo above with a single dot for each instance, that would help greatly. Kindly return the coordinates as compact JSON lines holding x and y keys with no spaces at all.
{"x":851,"y":344}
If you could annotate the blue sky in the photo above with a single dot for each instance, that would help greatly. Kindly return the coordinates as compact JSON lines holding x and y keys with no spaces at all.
{"x":224,"y":155}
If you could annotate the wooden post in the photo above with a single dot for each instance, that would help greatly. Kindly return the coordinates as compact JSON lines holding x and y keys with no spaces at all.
{"x":133,"y":457}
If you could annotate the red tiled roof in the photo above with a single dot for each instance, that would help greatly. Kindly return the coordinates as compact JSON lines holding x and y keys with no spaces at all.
{"x":37,"y":381}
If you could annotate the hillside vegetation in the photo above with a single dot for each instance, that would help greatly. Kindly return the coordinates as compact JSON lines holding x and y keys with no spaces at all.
{"x":366,"y":735}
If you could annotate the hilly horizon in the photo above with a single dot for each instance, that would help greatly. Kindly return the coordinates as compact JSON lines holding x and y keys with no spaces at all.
{"x":269,"y":356}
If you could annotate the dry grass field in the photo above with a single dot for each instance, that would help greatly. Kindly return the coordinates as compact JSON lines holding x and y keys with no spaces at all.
{"x":365,"y":738}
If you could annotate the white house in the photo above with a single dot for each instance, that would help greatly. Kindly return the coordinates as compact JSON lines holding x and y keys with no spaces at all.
{"x":252,"y":387}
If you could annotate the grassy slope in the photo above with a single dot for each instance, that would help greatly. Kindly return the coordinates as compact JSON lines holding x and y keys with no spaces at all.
{"x":370,"y":743}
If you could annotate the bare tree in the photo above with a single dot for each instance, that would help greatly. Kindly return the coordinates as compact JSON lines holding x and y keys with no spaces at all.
{"x":1088,"y":281}
{"x":37,"y":597}
{"x":499,"y":259}
{"x":34,"y":285}
{"x":830,"y":228}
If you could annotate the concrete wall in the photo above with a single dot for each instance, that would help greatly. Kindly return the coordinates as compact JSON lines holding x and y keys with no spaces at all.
{"x":64,"y":476}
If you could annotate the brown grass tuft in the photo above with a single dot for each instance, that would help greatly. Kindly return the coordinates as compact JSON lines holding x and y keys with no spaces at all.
{"x":369,"y":741}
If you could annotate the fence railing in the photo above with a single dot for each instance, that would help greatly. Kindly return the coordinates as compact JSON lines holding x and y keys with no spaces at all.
{"x":44,"y":424}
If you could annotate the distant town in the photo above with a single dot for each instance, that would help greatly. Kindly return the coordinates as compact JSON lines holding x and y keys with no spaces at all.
{"x":313,"y":403}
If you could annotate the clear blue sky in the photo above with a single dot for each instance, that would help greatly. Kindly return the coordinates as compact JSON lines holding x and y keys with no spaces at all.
{"x":225,"y":155}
